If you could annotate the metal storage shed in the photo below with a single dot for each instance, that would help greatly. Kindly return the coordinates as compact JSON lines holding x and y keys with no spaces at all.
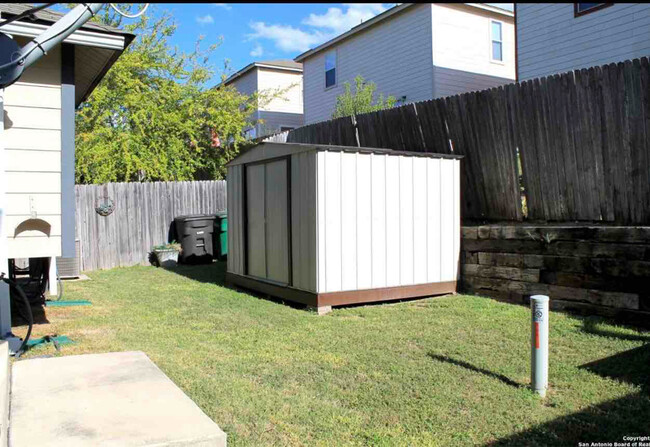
{"x":335,"y":225}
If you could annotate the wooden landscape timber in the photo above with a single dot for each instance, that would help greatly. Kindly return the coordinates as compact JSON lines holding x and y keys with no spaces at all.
{"x":586,"y":268}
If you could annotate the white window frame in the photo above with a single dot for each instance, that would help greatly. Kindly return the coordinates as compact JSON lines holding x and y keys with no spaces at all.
{"x":492,"y":59}
{"x":336,"y":69}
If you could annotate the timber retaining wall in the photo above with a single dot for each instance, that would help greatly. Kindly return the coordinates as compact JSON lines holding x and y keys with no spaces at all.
{"x":600,"y":270}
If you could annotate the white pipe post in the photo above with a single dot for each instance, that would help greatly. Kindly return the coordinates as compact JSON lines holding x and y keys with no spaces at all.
{"x":539,"y":343}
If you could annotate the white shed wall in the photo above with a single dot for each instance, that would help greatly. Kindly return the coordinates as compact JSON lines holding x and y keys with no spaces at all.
{"x":32,"y":140}
{"x":386,"y":220}
{"x":551,"y":40}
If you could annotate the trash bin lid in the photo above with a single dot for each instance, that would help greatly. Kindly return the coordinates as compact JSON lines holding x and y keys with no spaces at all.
{"x":191,"y":217}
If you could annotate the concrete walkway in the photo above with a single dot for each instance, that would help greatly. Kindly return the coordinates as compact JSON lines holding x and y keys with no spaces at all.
{"x":115,"y":399}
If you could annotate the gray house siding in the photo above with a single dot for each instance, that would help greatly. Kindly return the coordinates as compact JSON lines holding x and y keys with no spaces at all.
{"x":398,"y":66}
{"x":449,"y":82}
{"x":551,"y":40}
{"x":274,"y":120}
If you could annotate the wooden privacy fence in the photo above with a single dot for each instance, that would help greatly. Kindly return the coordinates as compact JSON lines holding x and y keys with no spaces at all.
{"x":583,"y":138}
{"x":141,"y":219}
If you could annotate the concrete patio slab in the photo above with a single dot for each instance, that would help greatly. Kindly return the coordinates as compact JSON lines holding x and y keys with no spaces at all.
{"x":114,"y":399}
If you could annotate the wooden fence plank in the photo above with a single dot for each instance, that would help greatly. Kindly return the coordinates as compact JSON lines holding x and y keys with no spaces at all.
{"x":141,"y":219}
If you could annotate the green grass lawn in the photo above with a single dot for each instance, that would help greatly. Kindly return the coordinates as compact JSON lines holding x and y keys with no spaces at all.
{"x":444,"y":371}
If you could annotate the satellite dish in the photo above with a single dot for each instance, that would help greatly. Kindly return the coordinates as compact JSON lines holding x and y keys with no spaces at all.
{"x":9,"y":52}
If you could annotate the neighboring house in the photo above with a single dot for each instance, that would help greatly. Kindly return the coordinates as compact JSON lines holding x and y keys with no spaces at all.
{"x":38,"y":140}
{"x":280,"y":77}
{"x":414,"y":52}
{"x":559,"y":37}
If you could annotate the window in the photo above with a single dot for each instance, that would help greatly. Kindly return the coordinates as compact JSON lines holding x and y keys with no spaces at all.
{"x":497,"y":40}
{"x":250,"y":133}
{"x":330,"y":69}
{"x":285,"y":128}
{"x":580,"y":9}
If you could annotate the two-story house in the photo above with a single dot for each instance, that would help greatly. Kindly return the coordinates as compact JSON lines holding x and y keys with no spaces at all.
{"x":280,"y":80}
{"x":415,"y":52}
{"x":559,"y":37}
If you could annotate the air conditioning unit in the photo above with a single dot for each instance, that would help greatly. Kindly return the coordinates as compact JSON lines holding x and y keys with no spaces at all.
{"x":68,"y":268}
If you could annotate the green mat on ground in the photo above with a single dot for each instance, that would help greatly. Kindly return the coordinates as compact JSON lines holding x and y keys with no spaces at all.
{"x":61,"y":340}
{"x":67,"y":303}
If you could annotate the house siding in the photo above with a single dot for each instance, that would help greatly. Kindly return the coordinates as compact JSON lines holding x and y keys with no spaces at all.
{"x":462,"y":50}
{"x":247,"y":83}
{"x":395,"y":55}
{"x":272,"y":121}
{"x":32,"y":140}
{"x":285,"y":110}
{"x":449,"y":82}
{"x":551,"y":40}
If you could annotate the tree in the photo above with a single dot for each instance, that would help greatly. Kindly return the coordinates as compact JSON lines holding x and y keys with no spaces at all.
{"x":361,"y":101}
{"x":152,"y":118}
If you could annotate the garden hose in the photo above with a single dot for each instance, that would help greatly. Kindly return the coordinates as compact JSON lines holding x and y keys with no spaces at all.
{"x":30,"y":320}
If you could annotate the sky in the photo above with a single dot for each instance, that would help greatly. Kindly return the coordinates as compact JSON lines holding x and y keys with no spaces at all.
{"x":261,"y":31}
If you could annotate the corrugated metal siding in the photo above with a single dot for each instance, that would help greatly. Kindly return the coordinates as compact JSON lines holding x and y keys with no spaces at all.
{"x":32,"y":140}
{"x":386,"y":221}
{"x":395,"y":55}
{"x":235,"y":204}
{"x":551,"y":40}
{"x":303,"y":220}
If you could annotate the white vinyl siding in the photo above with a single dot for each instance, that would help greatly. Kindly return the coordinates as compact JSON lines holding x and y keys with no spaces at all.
{"x":285,"y":109}
{"x":32,"y":140}
{"x":395,"y":55}
{"x":462,"y":40}
{"x":289,"y":83}
{"x":551,"y":40}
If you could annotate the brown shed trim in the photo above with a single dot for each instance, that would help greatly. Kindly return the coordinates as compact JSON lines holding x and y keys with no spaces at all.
{"x":386,"y":293}
{"x":341,"y":298}
{"x":284,"y":292}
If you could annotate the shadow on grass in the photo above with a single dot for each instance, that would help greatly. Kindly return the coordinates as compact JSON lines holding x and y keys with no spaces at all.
{"x":212,"y":273}
{"x":469,"y":366}
{"x":631,"y":366}
{"x":591,"y":325}
{"x":215,"y":273}
{"x":608,"y":422}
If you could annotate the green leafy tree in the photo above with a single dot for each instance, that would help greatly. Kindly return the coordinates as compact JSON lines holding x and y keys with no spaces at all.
{"x":152,"y":117}
{"x":362,"y":100}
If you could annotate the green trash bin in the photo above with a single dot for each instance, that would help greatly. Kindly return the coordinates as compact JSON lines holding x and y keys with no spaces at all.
{"x":221,"y":236}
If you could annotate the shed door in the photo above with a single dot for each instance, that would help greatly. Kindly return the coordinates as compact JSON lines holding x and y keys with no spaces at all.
{"x":256,"y":231}
{"x":268,"y":221}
